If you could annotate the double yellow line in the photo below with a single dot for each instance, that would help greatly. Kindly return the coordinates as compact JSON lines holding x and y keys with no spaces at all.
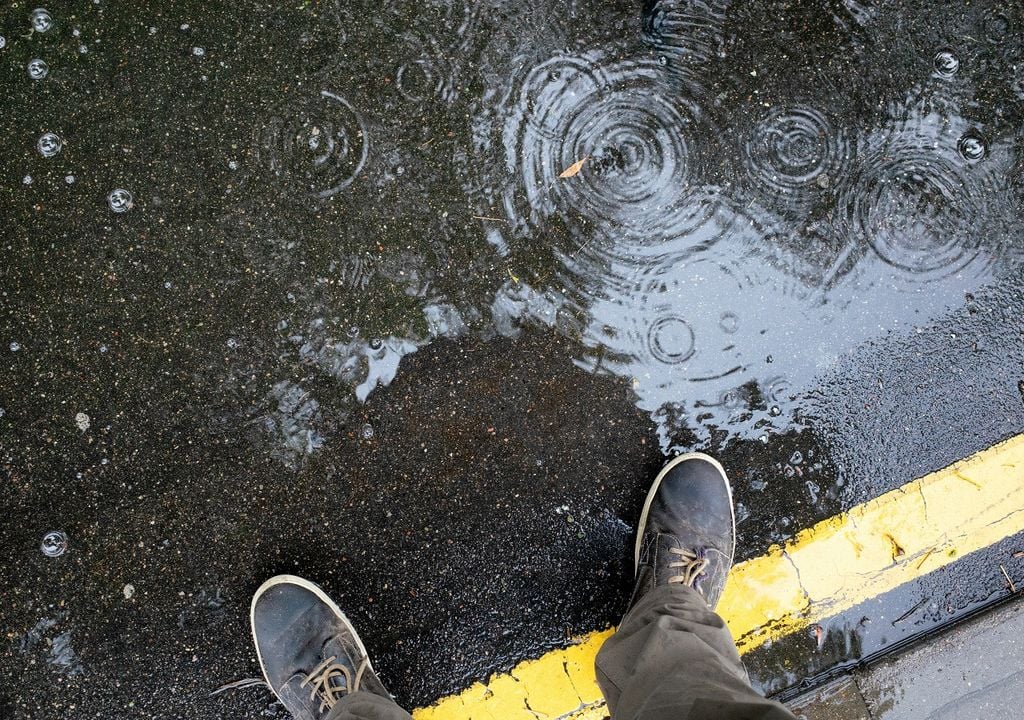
{"x":829,"y":568}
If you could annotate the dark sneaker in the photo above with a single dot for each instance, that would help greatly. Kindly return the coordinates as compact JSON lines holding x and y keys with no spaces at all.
{"x":310,"y":654}
{"x":687,"y":531}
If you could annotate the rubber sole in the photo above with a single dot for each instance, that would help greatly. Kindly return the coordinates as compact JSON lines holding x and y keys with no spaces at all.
{"x":313,"y":588}
{"x":642,"y":525}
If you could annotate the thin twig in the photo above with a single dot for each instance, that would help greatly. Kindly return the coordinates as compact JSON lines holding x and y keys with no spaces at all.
{"x":1013,"y":588}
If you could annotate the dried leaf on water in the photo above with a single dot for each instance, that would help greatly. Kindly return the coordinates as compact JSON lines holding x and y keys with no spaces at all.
{"x":574,"y":169}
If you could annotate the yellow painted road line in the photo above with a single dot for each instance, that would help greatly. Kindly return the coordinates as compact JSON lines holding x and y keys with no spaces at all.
{"x":831,"y":567}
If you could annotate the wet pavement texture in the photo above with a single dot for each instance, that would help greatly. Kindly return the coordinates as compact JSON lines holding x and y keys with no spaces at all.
{"x":972,"y":671}
{"x":413,"y":298}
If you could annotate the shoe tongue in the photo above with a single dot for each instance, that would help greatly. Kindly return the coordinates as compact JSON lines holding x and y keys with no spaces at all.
{"x":344,"y":651}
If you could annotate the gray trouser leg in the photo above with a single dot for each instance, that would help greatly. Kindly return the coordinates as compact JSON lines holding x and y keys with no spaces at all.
{"x":367,"y":706}
{"x":674,"y":659}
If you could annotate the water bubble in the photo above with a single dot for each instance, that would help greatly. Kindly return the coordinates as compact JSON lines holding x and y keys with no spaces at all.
{"x":319,"y":144}
{"x":3,"y":42}
{"x":37,"y":69}
{"x":972,"y":146}
{"x":366,"y":432}
{"x":729,"y":322}
{"x":352,"y":332}
{"x":120,"y":200}
{"x":49,"y":144}
{"x":83,"y":49}
{"x":796,"y":458}
{"x":671,"y":340}
{"x":54,"y":544}
{"x":15,"y":346}
{"x":198,"y":51}
{"x":946,"y":63}
{"x":27,"y":180}
{"x":128,"y":591}
{"x":152,"y":30}
{"x":184,"y":26}
{"x":41,"y":20}
{"x":774,"y":411}
{"x":82,"y":421}
{"x":69,"y":179}
{"x":376,"y":344}
{"x":232,"y":164}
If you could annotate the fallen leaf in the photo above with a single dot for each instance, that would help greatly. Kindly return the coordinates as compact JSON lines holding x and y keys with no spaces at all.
{"x":514,"y":278}
{"x":574,"y":169}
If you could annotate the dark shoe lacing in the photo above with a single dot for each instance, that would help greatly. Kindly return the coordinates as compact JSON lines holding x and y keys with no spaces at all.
{"x":692,"y":565}
{"x":322,"y":680}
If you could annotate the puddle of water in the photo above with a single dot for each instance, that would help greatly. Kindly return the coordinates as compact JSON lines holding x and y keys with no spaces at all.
{"x":290,"y":201}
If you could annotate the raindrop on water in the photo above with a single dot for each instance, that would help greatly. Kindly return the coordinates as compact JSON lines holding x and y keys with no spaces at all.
{"x":671,"y":340}
{"x":41,"y":20}
{"x":813,"y":489}
{"x":54,"y":544}
{"x":49,"y":144}
{"x":120,"y":200}
{"x":997,"y":27}
{"x":353,"y":332}
{"x":37,"y":69}
{"x":946,"y":63}
{"x":972,"y":146}
{"x":366,"y":431}
{"x":729,"y":322}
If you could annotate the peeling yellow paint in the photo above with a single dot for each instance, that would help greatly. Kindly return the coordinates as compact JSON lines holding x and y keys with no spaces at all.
{"x":824,"y":570}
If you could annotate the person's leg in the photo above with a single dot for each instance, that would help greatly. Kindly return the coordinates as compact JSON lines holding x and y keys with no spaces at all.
{"x":672,"y":657}
{"x":312,"y":657}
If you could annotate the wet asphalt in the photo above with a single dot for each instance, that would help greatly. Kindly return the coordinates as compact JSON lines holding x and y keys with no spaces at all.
{"x":299,"y":289}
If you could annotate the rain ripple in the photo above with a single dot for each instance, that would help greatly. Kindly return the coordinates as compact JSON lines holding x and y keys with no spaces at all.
{"x":685,"y":32}
{"x":795,"y":148}
{"x":319,"y":144}
{"x":920,"y":198}
{"x":638,"y":196}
